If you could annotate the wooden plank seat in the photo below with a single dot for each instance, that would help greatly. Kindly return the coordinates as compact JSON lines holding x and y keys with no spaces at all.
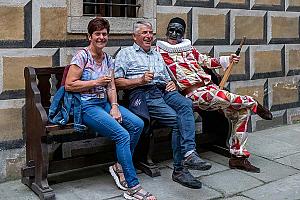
{"x":52,"y":148}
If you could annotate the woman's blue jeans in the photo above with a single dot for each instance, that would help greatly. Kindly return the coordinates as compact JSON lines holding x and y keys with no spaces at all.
{"x":95,"y":115}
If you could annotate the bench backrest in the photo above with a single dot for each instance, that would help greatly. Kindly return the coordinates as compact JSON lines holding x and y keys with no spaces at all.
{"x":49,"y":81}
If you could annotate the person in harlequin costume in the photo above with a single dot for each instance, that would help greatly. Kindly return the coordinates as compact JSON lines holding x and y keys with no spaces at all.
{"x":187,"y":67}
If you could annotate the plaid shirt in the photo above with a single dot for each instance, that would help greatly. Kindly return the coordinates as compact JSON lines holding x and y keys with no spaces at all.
{"x":132,"y":62}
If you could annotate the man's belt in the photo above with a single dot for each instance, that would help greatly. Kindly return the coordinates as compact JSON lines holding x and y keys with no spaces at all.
{"x":191,"y":88}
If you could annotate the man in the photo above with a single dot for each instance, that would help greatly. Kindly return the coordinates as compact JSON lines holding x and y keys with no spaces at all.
{"x":141,"y":71}
{"x":187,"y":67}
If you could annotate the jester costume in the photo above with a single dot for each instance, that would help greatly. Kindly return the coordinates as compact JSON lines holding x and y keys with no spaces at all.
{"x":187,"y":67}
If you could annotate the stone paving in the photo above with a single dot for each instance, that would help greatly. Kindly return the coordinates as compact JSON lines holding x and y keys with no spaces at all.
{"x":276,"y":151}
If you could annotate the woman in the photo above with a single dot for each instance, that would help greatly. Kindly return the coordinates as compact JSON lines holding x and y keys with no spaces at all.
{"x":91,"y":74}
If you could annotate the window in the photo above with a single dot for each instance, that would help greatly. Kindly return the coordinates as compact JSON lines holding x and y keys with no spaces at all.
{"x":110,"y":8}
{"x":120,"y":13}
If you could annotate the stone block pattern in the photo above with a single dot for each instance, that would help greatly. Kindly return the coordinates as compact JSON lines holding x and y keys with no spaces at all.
{"x":53,"y":23}
{"x":251,"y":24}
{"x":35,"y":33}
{"x":9,"y":30}
{"x":292,"y":58}
{"x":284,"y":92}
{"x":13,"y":70}
{"x":283,"y":27}
{"x":240,"y":71}
{"x":15,"y":25}
{"x":236,"y":4}
{"x":10,"y":124}
{"x":242,"y":27}
{"x":293,"y":5}
{"x":194,"y":3}
{"x":269,"y":4}
{"x":210,"y":27}
{"x":266,"y":61}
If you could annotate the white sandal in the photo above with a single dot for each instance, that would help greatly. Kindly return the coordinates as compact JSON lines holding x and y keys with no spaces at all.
{"x":135,"y":194}
{"x":115,"y":174}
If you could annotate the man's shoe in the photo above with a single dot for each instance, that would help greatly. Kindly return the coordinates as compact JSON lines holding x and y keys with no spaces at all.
{"x":242,"y":164}
{"x":185,"y":178}
{"x":264,"y":112}
{"x":193,"y":161}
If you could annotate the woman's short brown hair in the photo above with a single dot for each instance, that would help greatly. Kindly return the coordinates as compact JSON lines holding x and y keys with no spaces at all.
{"x":98,"y":24}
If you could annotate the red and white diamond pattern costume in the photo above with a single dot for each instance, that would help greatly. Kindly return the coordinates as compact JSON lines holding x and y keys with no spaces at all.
{"x":187,"y":66}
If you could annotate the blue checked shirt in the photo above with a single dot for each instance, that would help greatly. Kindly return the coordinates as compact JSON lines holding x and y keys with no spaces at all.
{"x":132,"y":62}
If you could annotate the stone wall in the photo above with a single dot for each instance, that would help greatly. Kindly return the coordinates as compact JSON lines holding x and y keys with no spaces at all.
{"x":38,"y":33}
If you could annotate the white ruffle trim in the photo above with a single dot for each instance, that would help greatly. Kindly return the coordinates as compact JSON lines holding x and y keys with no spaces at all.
{"x":185,"y":45}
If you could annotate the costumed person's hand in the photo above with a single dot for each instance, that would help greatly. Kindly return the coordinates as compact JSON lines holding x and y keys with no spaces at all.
{"x":147,"y":77}
{"x":103,"y":81}
{"x":234,"y":58}
{"x":171,"y":86}
{"x":115,"y":113}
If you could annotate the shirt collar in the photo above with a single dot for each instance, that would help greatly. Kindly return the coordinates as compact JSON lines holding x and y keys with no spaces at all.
{"x":138,"y":48}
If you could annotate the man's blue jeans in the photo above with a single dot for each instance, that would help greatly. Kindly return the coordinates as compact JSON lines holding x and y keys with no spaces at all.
{"x":176,"y":111}
{"x":95,"y":115}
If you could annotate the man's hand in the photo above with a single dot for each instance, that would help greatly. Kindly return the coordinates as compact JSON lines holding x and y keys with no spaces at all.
{"x":115,"y":113}
{"x":171,"y":86}
{"x":234,"y":58}
{"x":147,"y":77}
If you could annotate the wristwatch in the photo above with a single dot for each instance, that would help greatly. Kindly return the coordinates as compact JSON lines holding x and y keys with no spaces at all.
{"x":115,"y":104}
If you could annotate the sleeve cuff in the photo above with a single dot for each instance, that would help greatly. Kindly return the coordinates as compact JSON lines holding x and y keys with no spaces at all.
{"x":224,"y":61}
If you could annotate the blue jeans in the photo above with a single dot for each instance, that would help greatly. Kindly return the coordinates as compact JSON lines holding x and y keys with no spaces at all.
{"x":176,"y":111}
{"x":95,"y":114}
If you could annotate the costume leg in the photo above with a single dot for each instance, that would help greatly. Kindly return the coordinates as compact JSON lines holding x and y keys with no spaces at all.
{"x":239,"y":133}
{"x":211,"y":97}
{"x":236,"y":108}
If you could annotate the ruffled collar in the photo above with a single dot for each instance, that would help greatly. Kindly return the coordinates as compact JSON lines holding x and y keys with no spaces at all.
{"x":185,"y":45}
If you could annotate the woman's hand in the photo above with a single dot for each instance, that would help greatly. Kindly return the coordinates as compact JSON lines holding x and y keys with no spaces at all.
{"x":171,"y":86}
{"x":115,"y":113}
{"x":103,"y":81}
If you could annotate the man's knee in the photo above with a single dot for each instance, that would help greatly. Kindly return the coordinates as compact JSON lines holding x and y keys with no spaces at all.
{"x":139,"y":124}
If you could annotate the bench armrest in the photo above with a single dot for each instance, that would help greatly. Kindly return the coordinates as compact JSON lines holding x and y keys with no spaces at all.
{"x":35,"y":115}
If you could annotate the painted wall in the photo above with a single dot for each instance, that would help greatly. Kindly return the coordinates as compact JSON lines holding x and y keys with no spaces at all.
{"x":35,"y":32}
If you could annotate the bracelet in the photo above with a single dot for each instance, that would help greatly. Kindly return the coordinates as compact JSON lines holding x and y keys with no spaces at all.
{"x":115,"y":104}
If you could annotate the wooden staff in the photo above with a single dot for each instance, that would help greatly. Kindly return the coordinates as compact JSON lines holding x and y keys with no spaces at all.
{"x":229,"y":68}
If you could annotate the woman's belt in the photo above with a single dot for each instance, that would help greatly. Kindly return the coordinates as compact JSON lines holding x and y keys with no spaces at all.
{"x":100,"y":95}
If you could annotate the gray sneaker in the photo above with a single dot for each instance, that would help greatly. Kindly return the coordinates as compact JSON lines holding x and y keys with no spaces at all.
{"x":185,"y":178}
{"x":193,"y":161}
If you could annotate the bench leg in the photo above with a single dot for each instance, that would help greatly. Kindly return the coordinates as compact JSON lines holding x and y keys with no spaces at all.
{"x":144,"y":157}
{"x":28,"y":178}
{"x":35,"y":174}
{"x":40,"y":185}
{"x":43,"y":193}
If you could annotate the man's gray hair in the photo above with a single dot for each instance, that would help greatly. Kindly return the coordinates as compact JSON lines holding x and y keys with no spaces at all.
{"x":137,"y":25}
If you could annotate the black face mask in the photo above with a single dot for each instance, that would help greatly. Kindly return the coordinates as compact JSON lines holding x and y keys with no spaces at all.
{"x":175,"y":31}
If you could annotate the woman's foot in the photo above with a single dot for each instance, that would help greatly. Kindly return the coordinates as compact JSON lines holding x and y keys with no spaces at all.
{"x":118,"y":175}
{"x":138,"y":193}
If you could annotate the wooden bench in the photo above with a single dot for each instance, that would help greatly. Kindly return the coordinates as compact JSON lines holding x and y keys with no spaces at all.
{"x":51,"y":148}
